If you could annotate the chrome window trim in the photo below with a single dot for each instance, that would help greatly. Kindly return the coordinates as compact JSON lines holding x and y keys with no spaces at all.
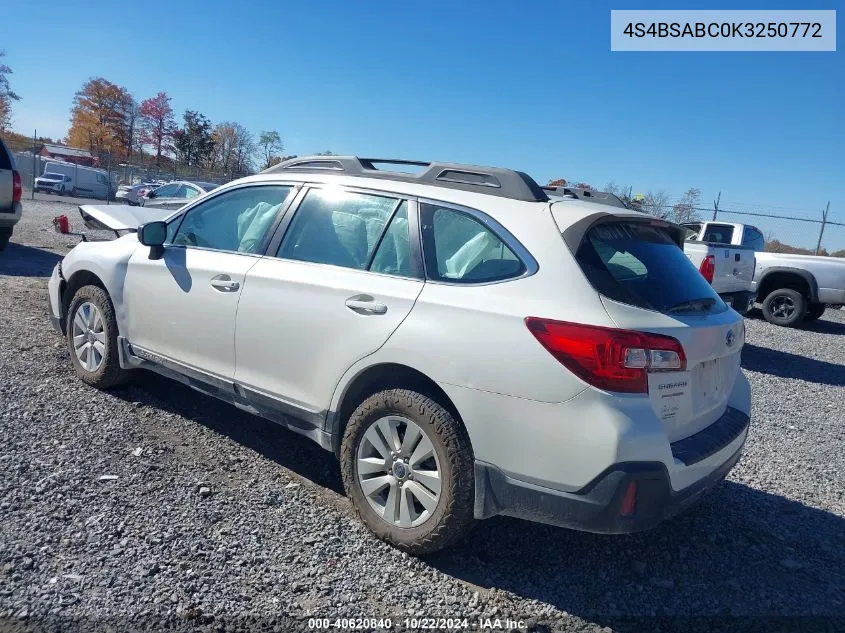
{"x":491,"y":224}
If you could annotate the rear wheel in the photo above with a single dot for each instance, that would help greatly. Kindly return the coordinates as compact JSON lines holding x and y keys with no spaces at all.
{"x":814,"y":311}
{"x":92,"y":338}
{"x":785,"y":307}
{"x":407,"y":466}
{"x":5,"y":235}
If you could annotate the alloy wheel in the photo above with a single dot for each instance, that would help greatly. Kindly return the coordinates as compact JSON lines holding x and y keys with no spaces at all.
{"x":782,"y":307}
{"x":398,"y":471}
{"x":89,"y":336}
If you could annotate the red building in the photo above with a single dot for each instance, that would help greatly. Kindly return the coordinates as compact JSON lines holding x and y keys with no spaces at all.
{"x":68,"y":154}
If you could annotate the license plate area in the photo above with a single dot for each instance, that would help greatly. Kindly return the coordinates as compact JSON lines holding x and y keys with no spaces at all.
{"x":707,"y":391}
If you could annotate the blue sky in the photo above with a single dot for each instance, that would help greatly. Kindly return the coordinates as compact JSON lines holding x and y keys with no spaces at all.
{"x":530,"y":85}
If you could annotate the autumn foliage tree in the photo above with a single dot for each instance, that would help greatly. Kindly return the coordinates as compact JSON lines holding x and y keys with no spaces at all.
{"x":99,"y":118}
{"x":156,"y":123}
{"x":7,"y":95}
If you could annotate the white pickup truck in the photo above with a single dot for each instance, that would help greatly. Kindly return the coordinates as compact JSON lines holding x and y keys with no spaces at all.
{"x":789,"y":288}
{"x":728,"y":267}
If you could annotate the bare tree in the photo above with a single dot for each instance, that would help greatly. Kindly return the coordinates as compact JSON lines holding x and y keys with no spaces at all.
{"x":656,"y":203}
{"x":686,"y":209}
{"x":271,"y":147}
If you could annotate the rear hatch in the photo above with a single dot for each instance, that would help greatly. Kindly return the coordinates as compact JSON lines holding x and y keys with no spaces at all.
{"x":647,"y":284}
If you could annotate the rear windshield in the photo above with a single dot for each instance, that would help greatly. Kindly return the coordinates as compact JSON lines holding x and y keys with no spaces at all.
{"x":640,"y":264}
{"x":5,"y":159}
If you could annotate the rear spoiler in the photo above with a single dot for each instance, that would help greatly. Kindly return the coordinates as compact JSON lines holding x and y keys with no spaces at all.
{"x":587,"y":195}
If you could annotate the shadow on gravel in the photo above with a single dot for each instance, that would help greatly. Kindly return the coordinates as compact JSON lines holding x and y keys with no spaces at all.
{"x":824,"y":326}
{"x":739,"y":552}
{"x":270,"y":440}
{"x":26,"y":261}
{"x":786,"y":365}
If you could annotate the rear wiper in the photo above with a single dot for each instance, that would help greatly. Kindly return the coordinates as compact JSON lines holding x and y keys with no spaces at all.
{"x":694,"y":305}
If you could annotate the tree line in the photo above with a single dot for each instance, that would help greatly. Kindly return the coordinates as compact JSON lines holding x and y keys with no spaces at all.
{"x":107,"y":120}
{"x":657,"y":202}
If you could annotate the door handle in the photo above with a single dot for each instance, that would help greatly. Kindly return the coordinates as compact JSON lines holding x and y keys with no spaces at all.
{"x":224,"y":283}
{"x":365,"y":304}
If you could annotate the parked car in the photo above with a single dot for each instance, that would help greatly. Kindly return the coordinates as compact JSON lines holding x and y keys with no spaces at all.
{"x":88,"y":182}
{"x":175,"y":194}
{"x":131,"y":194}
{"x":465,"y":345}
{"x":54,"y":183}
{"x":10,"y":195}
{"x":789,"y":288}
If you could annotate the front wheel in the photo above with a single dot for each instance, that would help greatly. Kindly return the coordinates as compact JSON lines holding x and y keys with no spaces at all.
{"x":784,"y":306}
{"x":92,"y":338}
{"x":814,"y":312}
{"x":407,"y":466}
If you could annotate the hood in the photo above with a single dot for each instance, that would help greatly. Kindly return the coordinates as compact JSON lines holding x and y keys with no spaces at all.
{"x":120,"y":217}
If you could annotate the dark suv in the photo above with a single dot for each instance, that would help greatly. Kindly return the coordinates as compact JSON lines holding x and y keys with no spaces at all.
{"x":10,"y":195}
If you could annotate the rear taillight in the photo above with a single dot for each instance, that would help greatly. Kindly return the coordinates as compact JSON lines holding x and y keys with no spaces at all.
{"x":608,"y":358}
{"x":629,"y":501}
{"x":16,"y":186}
{"x":708,"y":268}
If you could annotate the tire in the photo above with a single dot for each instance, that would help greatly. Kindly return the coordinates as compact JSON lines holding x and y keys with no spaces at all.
{"x":814,"y":312}
{"x":450,"y":515}
{"x":785,"y":307}
{"x":62,"y":191}
{"x":107,"y":373}
{"x":5,"y":235}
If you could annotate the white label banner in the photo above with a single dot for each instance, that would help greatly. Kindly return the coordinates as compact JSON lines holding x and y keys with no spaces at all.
{"x":727,"y":30}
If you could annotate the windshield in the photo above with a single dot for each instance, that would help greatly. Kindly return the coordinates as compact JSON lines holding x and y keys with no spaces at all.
{"x":640,"y":264}
{"x":52,"y":177}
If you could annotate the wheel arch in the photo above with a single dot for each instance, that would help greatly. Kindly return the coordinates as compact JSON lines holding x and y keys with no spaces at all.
{"x":793,"y":278}
{"x":68,"y":288}
{"x":375,"y":378}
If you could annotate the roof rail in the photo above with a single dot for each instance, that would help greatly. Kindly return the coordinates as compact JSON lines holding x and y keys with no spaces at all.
{"x":588,"y":195}
{"x":493,"y":181}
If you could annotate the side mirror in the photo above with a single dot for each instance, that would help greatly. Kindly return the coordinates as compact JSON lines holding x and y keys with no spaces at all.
{"x":152,"y":234}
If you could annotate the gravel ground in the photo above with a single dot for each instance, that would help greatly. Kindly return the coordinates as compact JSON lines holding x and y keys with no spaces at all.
{"x":154,"y":506}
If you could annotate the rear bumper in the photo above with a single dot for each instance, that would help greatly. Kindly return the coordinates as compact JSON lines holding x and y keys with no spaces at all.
{"x":11,"y":216}
{"x":597,"y":506}
{"x":740,"y":301}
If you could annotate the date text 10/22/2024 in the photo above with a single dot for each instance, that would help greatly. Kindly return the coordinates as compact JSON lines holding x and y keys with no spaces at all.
{"x":417,"y":624}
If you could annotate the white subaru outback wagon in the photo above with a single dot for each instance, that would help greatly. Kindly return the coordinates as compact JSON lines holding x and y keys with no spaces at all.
{"x":466,"y":342}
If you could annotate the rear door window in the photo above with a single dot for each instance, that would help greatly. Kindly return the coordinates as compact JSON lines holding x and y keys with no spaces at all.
{"x":641,"y":265}
{"x":459,"y":248}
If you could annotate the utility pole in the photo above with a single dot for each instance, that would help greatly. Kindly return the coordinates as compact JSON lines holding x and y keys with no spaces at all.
{"x":821,"y":232}
{"x":716,"y":206}
{"x":34,"y":136}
